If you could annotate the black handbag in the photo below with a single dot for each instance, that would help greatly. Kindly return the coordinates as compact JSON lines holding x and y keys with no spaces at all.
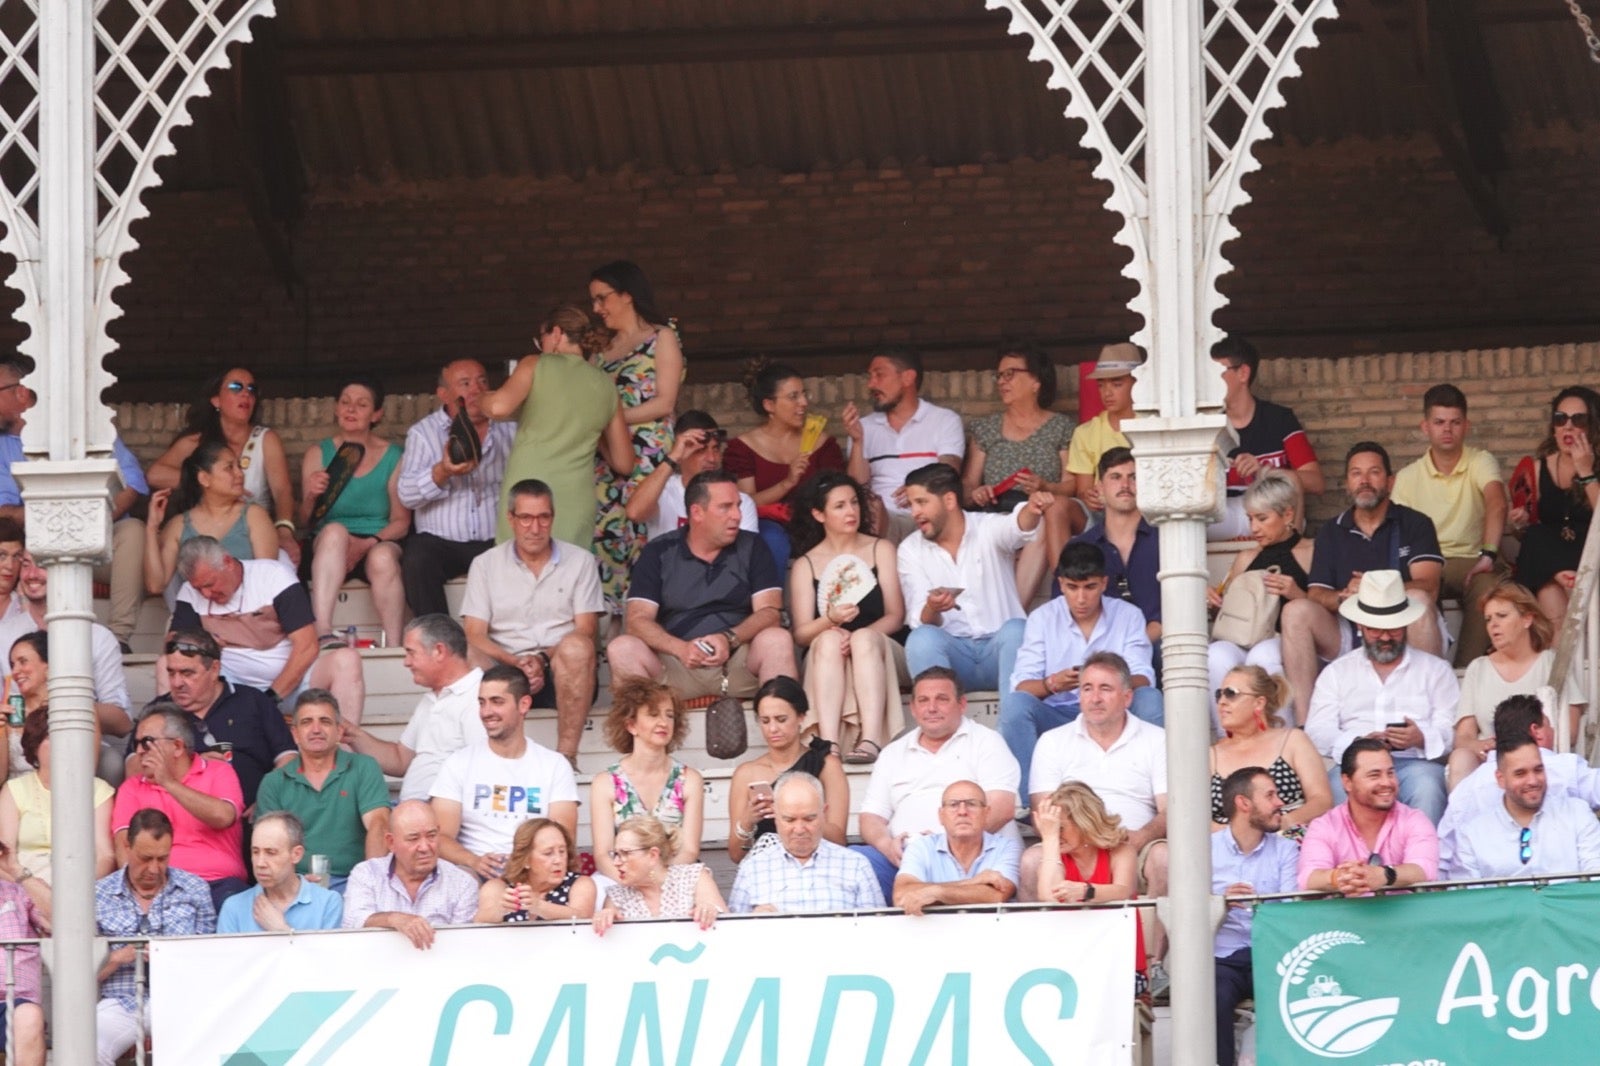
{"x":463,"y":445}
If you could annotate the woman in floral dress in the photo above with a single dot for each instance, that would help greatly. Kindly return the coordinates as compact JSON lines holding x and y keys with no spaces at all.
{"x":646,"y":361}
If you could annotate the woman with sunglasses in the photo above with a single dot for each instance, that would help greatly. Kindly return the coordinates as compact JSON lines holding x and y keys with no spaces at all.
{"x":565,"y":409}
{"x":1569,"y":489}
{"x":1022,"y":450}
{"x":359,"y":534}
{"x":644,"y":360}
{"x":210,"y":501}
{"x":1248,"y":703}
{"x":1273,"y":503}
{"x":541,"y":881}
{"x":25,"y":805}
{"x":651,"y":885}
{"x":646,"y":724}
{"x":229,"y":411}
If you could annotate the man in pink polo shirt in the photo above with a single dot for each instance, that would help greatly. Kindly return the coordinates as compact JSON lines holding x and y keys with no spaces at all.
{"x":201,"y":796}
{"x":1371,"y":841}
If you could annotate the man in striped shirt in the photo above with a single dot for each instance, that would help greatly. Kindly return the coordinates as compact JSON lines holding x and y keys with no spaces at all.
{"x":453,"y":505}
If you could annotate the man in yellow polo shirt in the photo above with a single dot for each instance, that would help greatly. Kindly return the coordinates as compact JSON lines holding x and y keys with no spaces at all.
{"x":1461,"y":490}
{"x":1113,"y":373}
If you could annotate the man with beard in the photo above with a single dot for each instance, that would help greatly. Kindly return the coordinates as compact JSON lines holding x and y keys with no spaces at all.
{"x":1530,"y":831}
{"x":1374,"y":534}
{"x":959,"y":580}
{"x":1372,"y":840}
{"x":1399,"y":696}
{"x":1248,"y":858}
{"x":902,"y":432}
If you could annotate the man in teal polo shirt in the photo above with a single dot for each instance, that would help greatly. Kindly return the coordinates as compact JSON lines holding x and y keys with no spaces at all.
{"x":339,"y":796}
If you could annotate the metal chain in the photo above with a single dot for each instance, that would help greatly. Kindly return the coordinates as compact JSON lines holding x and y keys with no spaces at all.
{"x":1586,"y":28}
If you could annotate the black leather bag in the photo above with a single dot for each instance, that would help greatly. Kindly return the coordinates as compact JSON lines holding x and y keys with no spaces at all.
{"x":463,"y":444}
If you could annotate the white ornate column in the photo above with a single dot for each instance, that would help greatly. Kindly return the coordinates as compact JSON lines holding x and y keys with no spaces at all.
{"x":94,"y":89}
{"x":1174,"y":95}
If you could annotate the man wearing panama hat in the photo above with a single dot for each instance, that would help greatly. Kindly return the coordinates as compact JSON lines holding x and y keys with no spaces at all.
{"x":1401,"y":696}
{"x":1113,"y":376}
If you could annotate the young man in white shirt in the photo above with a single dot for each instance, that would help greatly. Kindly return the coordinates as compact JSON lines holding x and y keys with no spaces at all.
{"x":487,"y":789}
{"x":900,"y":434}
{"x":657,"y":502}
{"x":959,"y":579}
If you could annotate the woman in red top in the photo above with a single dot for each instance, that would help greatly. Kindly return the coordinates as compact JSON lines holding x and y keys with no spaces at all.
{"x":1097,"y":862}
{"x":768,"y":460}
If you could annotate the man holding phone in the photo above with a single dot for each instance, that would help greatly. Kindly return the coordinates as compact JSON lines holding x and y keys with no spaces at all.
{"x":657,"y":501}
{"x":1400,"y":696}
{"x":959,"y":579}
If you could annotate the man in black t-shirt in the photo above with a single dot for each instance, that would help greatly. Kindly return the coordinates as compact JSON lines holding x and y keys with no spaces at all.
{"x":1270,"y":437}
{"x":703,"y":602}
{"x":1374,"y":534}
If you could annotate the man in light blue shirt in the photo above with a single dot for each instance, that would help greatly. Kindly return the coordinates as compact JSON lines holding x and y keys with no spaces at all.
{"x":1530,"y":830}
{"x":805,"y":873}
{"x":1247,"y":858}
{"x":962,"y":865}
{"x":282,"y":900}
{"x":1058,"y":637}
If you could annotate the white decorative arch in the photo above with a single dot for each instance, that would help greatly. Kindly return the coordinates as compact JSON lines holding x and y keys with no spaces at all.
{"x":162,"y":53}
{"x":1245,"y":58}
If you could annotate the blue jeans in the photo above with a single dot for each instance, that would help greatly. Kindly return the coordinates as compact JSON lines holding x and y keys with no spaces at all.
{"x":882,"y":868}
{"x":982,"y":663}
{"x":776,"y":538}
{"x":1421,"y":786}
{"x":1024,"y":719}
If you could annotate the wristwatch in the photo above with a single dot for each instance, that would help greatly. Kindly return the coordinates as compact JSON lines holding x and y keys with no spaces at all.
{"x":1389,"y":875}
{"x":1088,"y":893}
{"x":733,"y":640}
{"x":670,"y":461}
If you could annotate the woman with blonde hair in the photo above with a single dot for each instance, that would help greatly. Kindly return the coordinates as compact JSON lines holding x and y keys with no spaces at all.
{"x":1522,"y":640}
{"x":541,"y":880}
{"x":567,"y":410}
{"x":650,"y":884}
{"x":1248,"y":702}
{"x":1097,"y":863}
{"x":646,"y":724}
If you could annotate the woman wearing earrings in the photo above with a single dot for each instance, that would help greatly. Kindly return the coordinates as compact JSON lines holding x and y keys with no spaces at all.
{"x":1248,"y":702}
{"x":1569,"y":489}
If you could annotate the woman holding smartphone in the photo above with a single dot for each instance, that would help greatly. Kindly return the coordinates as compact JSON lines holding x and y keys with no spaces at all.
{"x":781,"y":708}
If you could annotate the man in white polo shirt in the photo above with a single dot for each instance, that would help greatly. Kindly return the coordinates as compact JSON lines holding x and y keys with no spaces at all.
{"x":488,"y":788}
{"x":959,"y":580}
{"x":908,"y":781}
{"x":534,"y":603}
{"x":657,"y":502}
{"x":902,"y":432}
{"x":1125,"y":761}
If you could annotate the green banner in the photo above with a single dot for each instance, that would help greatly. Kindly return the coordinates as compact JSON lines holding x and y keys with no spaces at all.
{"x":1457,"y":978}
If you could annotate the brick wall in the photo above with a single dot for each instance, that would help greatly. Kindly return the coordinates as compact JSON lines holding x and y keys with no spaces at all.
{"x":1347,"y":247}
{"x":1340,"y":401}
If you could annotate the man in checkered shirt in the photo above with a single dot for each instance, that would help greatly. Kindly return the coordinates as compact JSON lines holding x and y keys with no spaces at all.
{"x":804,"y":872}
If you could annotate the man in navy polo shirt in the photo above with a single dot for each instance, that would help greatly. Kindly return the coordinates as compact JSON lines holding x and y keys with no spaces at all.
{"x":703,"y":602}
{"x":1374,"y":534}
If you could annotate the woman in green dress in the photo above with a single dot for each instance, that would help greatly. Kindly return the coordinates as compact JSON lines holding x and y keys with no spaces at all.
{"x":645,"y":360}
{"x":568,"y":410}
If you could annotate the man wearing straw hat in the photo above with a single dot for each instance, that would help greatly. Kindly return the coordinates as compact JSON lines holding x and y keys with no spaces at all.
{"x":1401,"y":696}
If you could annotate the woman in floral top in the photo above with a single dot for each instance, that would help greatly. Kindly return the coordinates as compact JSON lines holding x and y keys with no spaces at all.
{"x":646,"y":360}
{"x":646,"y":725}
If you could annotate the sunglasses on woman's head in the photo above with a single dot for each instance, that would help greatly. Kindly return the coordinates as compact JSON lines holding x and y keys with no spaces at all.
{"x":1579,"y":420}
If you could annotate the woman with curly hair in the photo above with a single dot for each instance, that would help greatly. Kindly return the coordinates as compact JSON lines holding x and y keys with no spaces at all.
{"x":566,"y":411}
{"x":646,"y":724}
{"x":856,"y":668}
{"x":770,"y":460}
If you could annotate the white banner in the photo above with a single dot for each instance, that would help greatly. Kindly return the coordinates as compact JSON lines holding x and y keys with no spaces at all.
{"x":1022,"y":987}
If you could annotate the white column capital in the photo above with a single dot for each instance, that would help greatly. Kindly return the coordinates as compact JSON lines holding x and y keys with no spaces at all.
{"x":68,"y":508}
{"x":1182,"y":466}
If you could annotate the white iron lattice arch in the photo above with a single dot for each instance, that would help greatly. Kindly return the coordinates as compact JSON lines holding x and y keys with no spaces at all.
{"x":1247,"y":57}
{"x":151,"y":60}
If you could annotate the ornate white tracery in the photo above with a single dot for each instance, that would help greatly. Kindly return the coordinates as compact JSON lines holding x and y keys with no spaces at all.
{"x":1103,"y":68}
{"x":152,"y":58}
